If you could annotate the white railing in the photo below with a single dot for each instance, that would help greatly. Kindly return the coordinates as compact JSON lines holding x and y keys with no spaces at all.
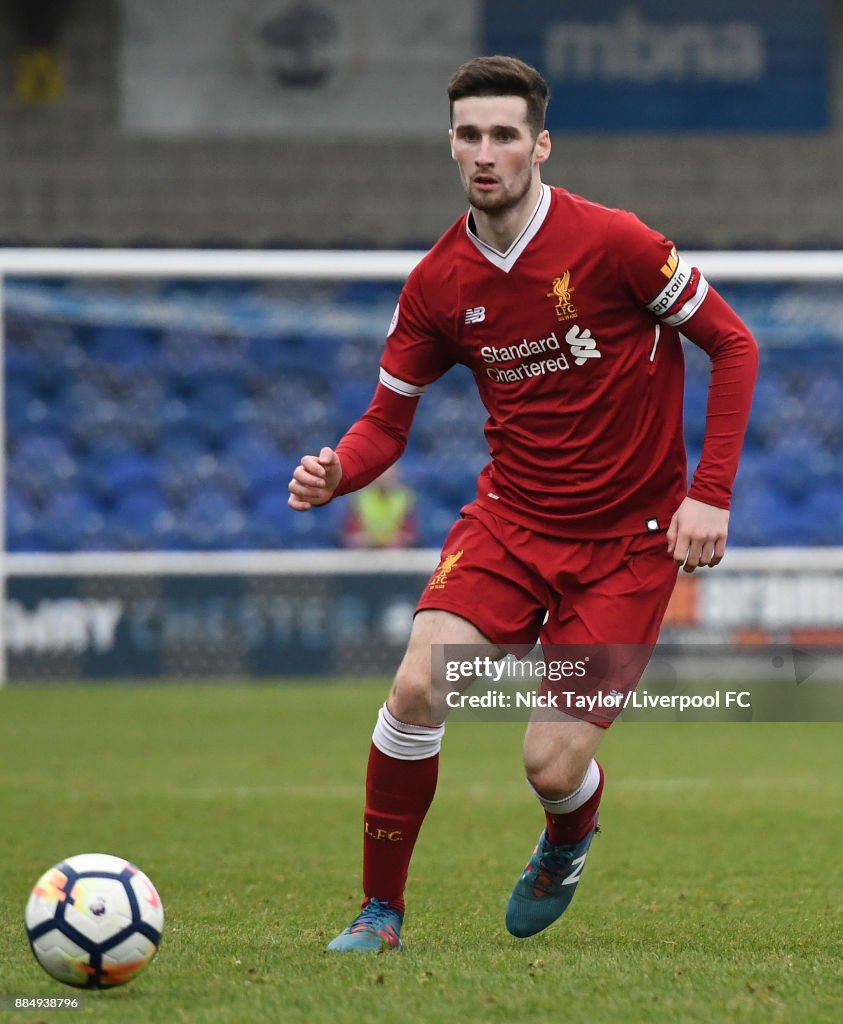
{"x":347,"y":562}
{"x":372,"y":265}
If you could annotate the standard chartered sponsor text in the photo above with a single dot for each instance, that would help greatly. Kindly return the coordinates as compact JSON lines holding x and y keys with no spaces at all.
{"x":524,"y":370}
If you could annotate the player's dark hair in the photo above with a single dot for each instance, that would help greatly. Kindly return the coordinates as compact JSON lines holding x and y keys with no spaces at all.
{"x":502,"y":76}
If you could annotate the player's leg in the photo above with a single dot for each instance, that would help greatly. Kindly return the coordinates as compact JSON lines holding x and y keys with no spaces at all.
{"x":401,"y":780}
{"x":568,"y":781}
{"x":619,"y":598}
{"x":559,"y":761}
{"x":404,"y":755}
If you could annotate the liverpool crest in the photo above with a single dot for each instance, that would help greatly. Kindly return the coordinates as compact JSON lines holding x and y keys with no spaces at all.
{"x":565,"y":308}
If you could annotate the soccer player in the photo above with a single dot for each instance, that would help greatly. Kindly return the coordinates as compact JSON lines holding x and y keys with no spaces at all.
{"x":569,"y":316}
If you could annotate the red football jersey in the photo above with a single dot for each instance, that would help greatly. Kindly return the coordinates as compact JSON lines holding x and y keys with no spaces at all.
{"x":573,"y":339}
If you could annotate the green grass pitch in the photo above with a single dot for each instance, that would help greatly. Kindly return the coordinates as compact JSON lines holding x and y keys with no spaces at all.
{"x":713,"y":894}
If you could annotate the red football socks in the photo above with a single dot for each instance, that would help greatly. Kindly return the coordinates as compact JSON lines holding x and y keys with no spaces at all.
{"x":569,"y":828}
{"x":398,"y":795}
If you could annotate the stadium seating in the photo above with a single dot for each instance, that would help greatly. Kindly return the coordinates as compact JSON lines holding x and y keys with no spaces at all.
{"x":158,"y":434}
{"x":72,"y":520}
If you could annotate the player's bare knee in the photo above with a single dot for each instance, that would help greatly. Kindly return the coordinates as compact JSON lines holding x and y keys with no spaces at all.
{"x":554,"y":779}
{"x":410,"y":697}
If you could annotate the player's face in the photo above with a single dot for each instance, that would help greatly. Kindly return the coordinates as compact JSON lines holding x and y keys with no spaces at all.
{"x":496,"y":153}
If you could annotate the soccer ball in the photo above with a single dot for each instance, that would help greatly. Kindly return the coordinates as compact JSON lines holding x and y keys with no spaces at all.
{"x":94,"y":921}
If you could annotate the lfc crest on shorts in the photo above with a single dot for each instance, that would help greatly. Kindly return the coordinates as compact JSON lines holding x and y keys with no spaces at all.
{"x":440,"y":577}
{"x":565,"y":308}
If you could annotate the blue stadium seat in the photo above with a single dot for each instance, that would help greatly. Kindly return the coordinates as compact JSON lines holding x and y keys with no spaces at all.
{"x":139,"y":412}
{"x":273,"y":524}
{"x":88,"y":420}
{"x":40,"y":464}
{"x":214,"y":395}
{"x":182,"y":440}
{"x":797,"y":462}
{"x":754,"y":470}
{"x":22,"y":405}
{"x":774,"y":410}
{"x":179,"y":455}
{"x":823,"y":509}
{"x":23,"y":364}
{"x":370,"y":293}
{"x":21,"y":521}
{"x":49,"y":342}
{"x":132,"y":470}
{"x":124,"y":346}
{"x":188,"y":354}
{"x":234,"y":356}
{"x":251,"y":415}
{"x":694,"y":410}
{"x":359,"y":357}
{"x":37,"y":347}
{"x":142,"y":519}
{"x":249,"y":451}
{"x":323,"y":348}
{"x":272,"y":478}
{"x":267,"y":526}
{"x":435,"y":519}
{"x":276,"y":356}
{"x":288,"y":388}
{"x":211,"y":520}
{"x":96,"y":455}
{"x":296,"y":433}
{"x":266,"y":356}
{"x":351,"y":398}
{"x":823,"y":401}
{"x":445,"y":416}
{"x":180,"y":420}
{"x":758,"y":516}
{"x":258,"y":465}
{"x":184,"y":478}
{"x":216,"y":401}
{"x":70,"y":519}
{"x":30,"y":541}
{"x":47,"y":414}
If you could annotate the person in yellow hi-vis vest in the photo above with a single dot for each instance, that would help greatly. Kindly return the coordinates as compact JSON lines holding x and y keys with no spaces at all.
{"x":382,"y":515}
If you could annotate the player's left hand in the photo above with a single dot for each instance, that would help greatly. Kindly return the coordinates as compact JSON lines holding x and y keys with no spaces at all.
{"x":697,"y":534}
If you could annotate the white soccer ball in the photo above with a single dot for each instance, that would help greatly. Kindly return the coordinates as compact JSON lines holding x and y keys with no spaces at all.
{"x":94,"y":921}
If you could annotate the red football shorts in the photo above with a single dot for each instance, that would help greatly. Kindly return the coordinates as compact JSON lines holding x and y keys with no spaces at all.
{"x":518,"y":586}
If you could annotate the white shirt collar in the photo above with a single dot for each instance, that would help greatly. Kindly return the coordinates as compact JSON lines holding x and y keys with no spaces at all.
{"x":506,"y":260}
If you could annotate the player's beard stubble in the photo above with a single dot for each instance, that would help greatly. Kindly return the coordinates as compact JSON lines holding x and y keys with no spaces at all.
{"x":508,"y":195}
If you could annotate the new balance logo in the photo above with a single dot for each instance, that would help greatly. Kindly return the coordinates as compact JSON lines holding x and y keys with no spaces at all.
{"x":583,"y":346}
{"x":475,"y":315}
{"x":578,"y":863}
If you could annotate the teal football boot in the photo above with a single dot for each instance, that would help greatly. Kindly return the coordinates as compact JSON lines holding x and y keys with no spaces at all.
{"x":546,"y":886}
{"x":376,"y":929}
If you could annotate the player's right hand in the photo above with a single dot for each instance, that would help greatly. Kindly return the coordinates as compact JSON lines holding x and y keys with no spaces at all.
{"x":314,"y":480}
